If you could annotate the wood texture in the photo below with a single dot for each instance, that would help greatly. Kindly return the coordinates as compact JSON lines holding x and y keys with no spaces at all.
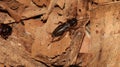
{"x":105,"y":26}
{"x":93,"y":42}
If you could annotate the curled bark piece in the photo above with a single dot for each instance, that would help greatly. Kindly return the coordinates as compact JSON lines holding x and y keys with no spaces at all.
{"x":13,"y":55}
{"x":12,"y":13}
{"x":42,"y":3}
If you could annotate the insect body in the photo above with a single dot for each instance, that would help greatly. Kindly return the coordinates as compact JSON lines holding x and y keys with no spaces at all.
{"x":5,"y":30}
{"x":64,"y":27}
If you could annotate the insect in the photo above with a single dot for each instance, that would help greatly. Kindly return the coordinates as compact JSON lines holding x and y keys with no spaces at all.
{"x":62,"y":28}
{"x":5,"y":30}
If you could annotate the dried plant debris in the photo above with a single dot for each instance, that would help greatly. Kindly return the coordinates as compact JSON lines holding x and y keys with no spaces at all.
{"x":42,"y":3}
{"x":52,"y":32}
{"x":13,"y":10}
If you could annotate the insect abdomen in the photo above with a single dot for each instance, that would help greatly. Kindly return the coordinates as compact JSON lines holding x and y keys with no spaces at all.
{"x":60,"y":30}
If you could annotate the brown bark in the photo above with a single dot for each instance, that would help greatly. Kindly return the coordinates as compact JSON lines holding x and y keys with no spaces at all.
{"x":105,"y":26}
{"x":30,"y":43}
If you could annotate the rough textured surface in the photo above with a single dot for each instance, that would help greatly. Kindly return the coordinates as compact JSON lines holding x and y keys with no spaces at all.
{"x":105,"y":26}
{"x":33,"y":21}
{"x":93,"y":42}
